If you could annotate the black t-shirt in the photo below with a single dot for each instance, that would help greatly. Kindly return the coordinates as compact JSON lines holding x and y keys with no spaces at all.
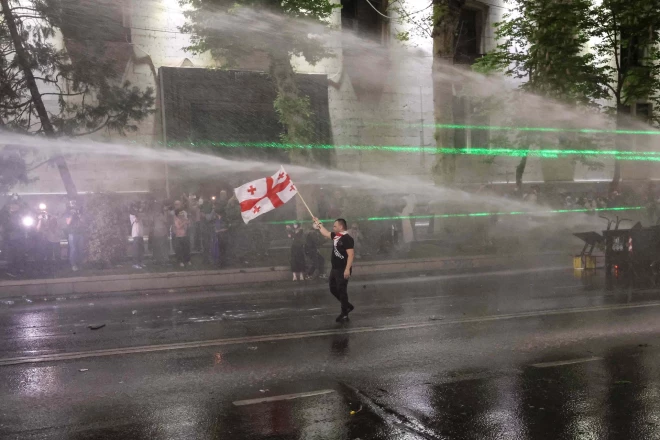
{"x":340,"y":243}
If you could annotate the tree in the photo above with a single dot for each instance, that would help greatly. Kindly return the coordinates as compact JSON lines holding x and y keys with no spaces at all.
{"x":446,"y":16}
{"x":627,"y":55}
{"x":545,"y":44}
{"x":232,"y":29}
{"x":542,"y":44}
{"x":439,"y":21}
{"x":87,"y":88}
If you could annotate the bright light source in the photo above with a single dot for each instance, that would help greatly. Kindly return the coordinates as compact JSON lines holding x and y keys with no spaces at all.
{"x":213,"y":198}
{"x":28,"y":221}
{"x":42,"y":206}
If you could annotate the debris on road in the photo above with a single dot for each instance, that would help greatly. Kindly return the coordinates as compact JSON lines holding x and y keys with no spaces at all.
{"x":82,"y":370}
{"x":95,"y":327}
{"x":355,"y":412}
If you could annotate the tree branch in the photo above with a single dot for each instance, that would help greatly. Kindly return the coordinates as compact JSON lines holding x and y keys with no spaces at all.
{"x":99,"y":128}
{"x":63,"y":94}
{"x":15,"y":107}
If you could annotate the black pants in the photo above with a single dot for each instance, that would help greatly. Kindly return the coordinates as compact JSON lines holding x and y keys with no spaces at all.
{"x":182,"y":249}
{"x":138,"y":250}
{"x":339,"y":288}
{"x":16,"y":258}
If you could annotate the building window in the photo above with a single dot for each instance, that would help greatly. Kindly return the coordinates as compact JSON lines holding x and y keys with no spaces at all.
{"x":110,"y":23}
{"x":362,"y":18}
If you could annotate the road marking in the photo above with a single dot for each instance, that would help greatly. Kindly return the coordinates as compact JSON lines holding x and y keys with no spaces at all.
{"x":569,"y":362}
{"x":314,"y":334}
{"x":282,"y":397}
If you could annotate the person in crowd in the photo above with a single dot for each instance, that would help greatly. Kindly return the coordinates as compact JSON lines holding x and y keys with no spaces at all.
{"x":194,"y":213}
{"x":533,"y":195}
{"x":206,"y":229}
{"x":74,"y":227}
{"x":222,"y":199}
{"x":297,"y":257}
{"x":160,"y":228}
{"x":137,"y":219}
{"x":357,"y":238}
{"x":48,"y":237}
{"x":181,"y":239}
{"x":14,"y":236}
{"x":614,"y":199}
{"x":219,"y":237}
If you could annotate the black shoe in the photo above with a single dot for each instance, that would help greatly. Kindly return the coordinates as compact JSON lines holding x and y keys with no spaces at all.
{"x":342,"y":318}
{"x":350,"y":309}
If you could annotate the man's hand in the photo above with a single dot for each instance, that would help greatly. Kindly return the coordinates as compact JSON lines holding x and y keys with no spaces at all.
{"x":347,"y":274}
{"x":317,"y":223}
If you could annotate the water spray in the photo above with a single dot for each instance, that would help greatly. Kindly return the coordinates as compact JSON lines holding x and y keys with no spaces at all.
{"x":527,"y":129}
{"x":650,"y":156}
{"x":474,"y":214}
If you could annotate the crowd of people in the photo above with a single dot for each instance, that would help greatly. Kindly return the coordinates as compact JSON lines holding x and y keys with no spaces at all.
{"x":592,"y":199}
{"x":189,"y":224}
{"x":40,"y":237}
{"x":209,"y":226}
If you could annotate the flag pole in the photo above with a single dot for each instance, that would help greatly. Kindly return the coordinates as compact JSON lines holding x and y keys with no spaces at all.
{"x":303,"y":200}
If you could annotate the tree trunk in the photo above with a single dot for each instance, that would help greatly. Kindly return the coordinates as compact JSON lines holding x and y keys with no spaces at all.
{"x":619,"y":141}
{"x":447,"y":13}
{"x":23,"y":61}
{"x":520,"y":170}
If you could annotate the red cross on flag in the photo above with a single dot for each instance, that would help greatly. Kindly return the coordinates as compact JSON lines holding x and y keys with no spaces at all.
{"x":263,"y":195}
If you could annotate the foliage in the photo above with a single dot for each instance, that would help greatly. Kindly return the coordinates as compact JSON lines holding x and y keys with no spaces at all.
{"x":294,"y":113}
{"x":419,"y":21}
{"x":232,"y":30}
{"x":13,"y":169}
{"x":627,"y":52}
{"x":105,"y":221}
{"x":593,"y":56}
{"x":87,"y":88}
{"x":542,"y":43}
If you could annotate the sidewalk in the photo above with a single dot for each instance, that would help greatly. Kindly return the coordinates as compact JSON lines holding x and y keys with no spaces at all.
{"x":218,"y":278}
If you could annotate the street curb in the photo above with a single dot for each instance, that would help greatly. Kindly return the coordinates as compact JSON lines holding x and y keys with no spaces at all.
{"x":212,"y":278}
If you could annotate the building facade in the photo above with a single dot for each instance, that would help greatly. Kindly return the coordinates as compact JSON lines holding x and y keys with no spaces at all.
{"x":379,"y":92}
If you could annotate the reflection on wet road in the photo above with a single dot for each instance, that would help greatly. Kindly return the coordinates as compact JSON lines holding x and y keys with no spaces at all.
{"x":508,"y":355}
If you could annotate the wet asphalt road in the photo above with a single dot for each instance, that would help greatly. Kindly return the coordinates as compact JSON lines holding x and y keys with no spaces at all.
{"x":519,"y":354}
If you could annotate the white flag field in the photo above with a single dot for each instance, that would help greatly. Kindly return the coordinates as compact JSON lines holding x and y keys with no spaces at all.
{"x":264,"y":195}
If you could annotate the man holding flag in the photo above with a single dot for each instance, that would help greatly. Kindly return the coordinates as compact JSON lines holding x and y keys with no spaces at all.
{"x":343,"y":253}
{"x":264,"y":195}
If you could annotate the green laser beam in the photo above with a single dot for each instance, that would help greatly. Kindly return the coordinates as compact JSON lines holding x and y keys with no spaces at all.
{"x":472,"y":214}
{"x":538,"y":129}
{"x":649,"y":156}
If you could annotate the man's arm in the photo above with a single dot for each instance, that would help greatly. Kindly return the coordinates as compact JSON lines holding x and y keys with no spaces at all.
{"x":322,"y":230}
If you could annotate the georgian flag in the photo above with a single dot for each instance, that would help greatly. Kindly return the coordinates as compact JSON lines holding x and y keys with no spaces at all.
{"x":263,"y":195}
